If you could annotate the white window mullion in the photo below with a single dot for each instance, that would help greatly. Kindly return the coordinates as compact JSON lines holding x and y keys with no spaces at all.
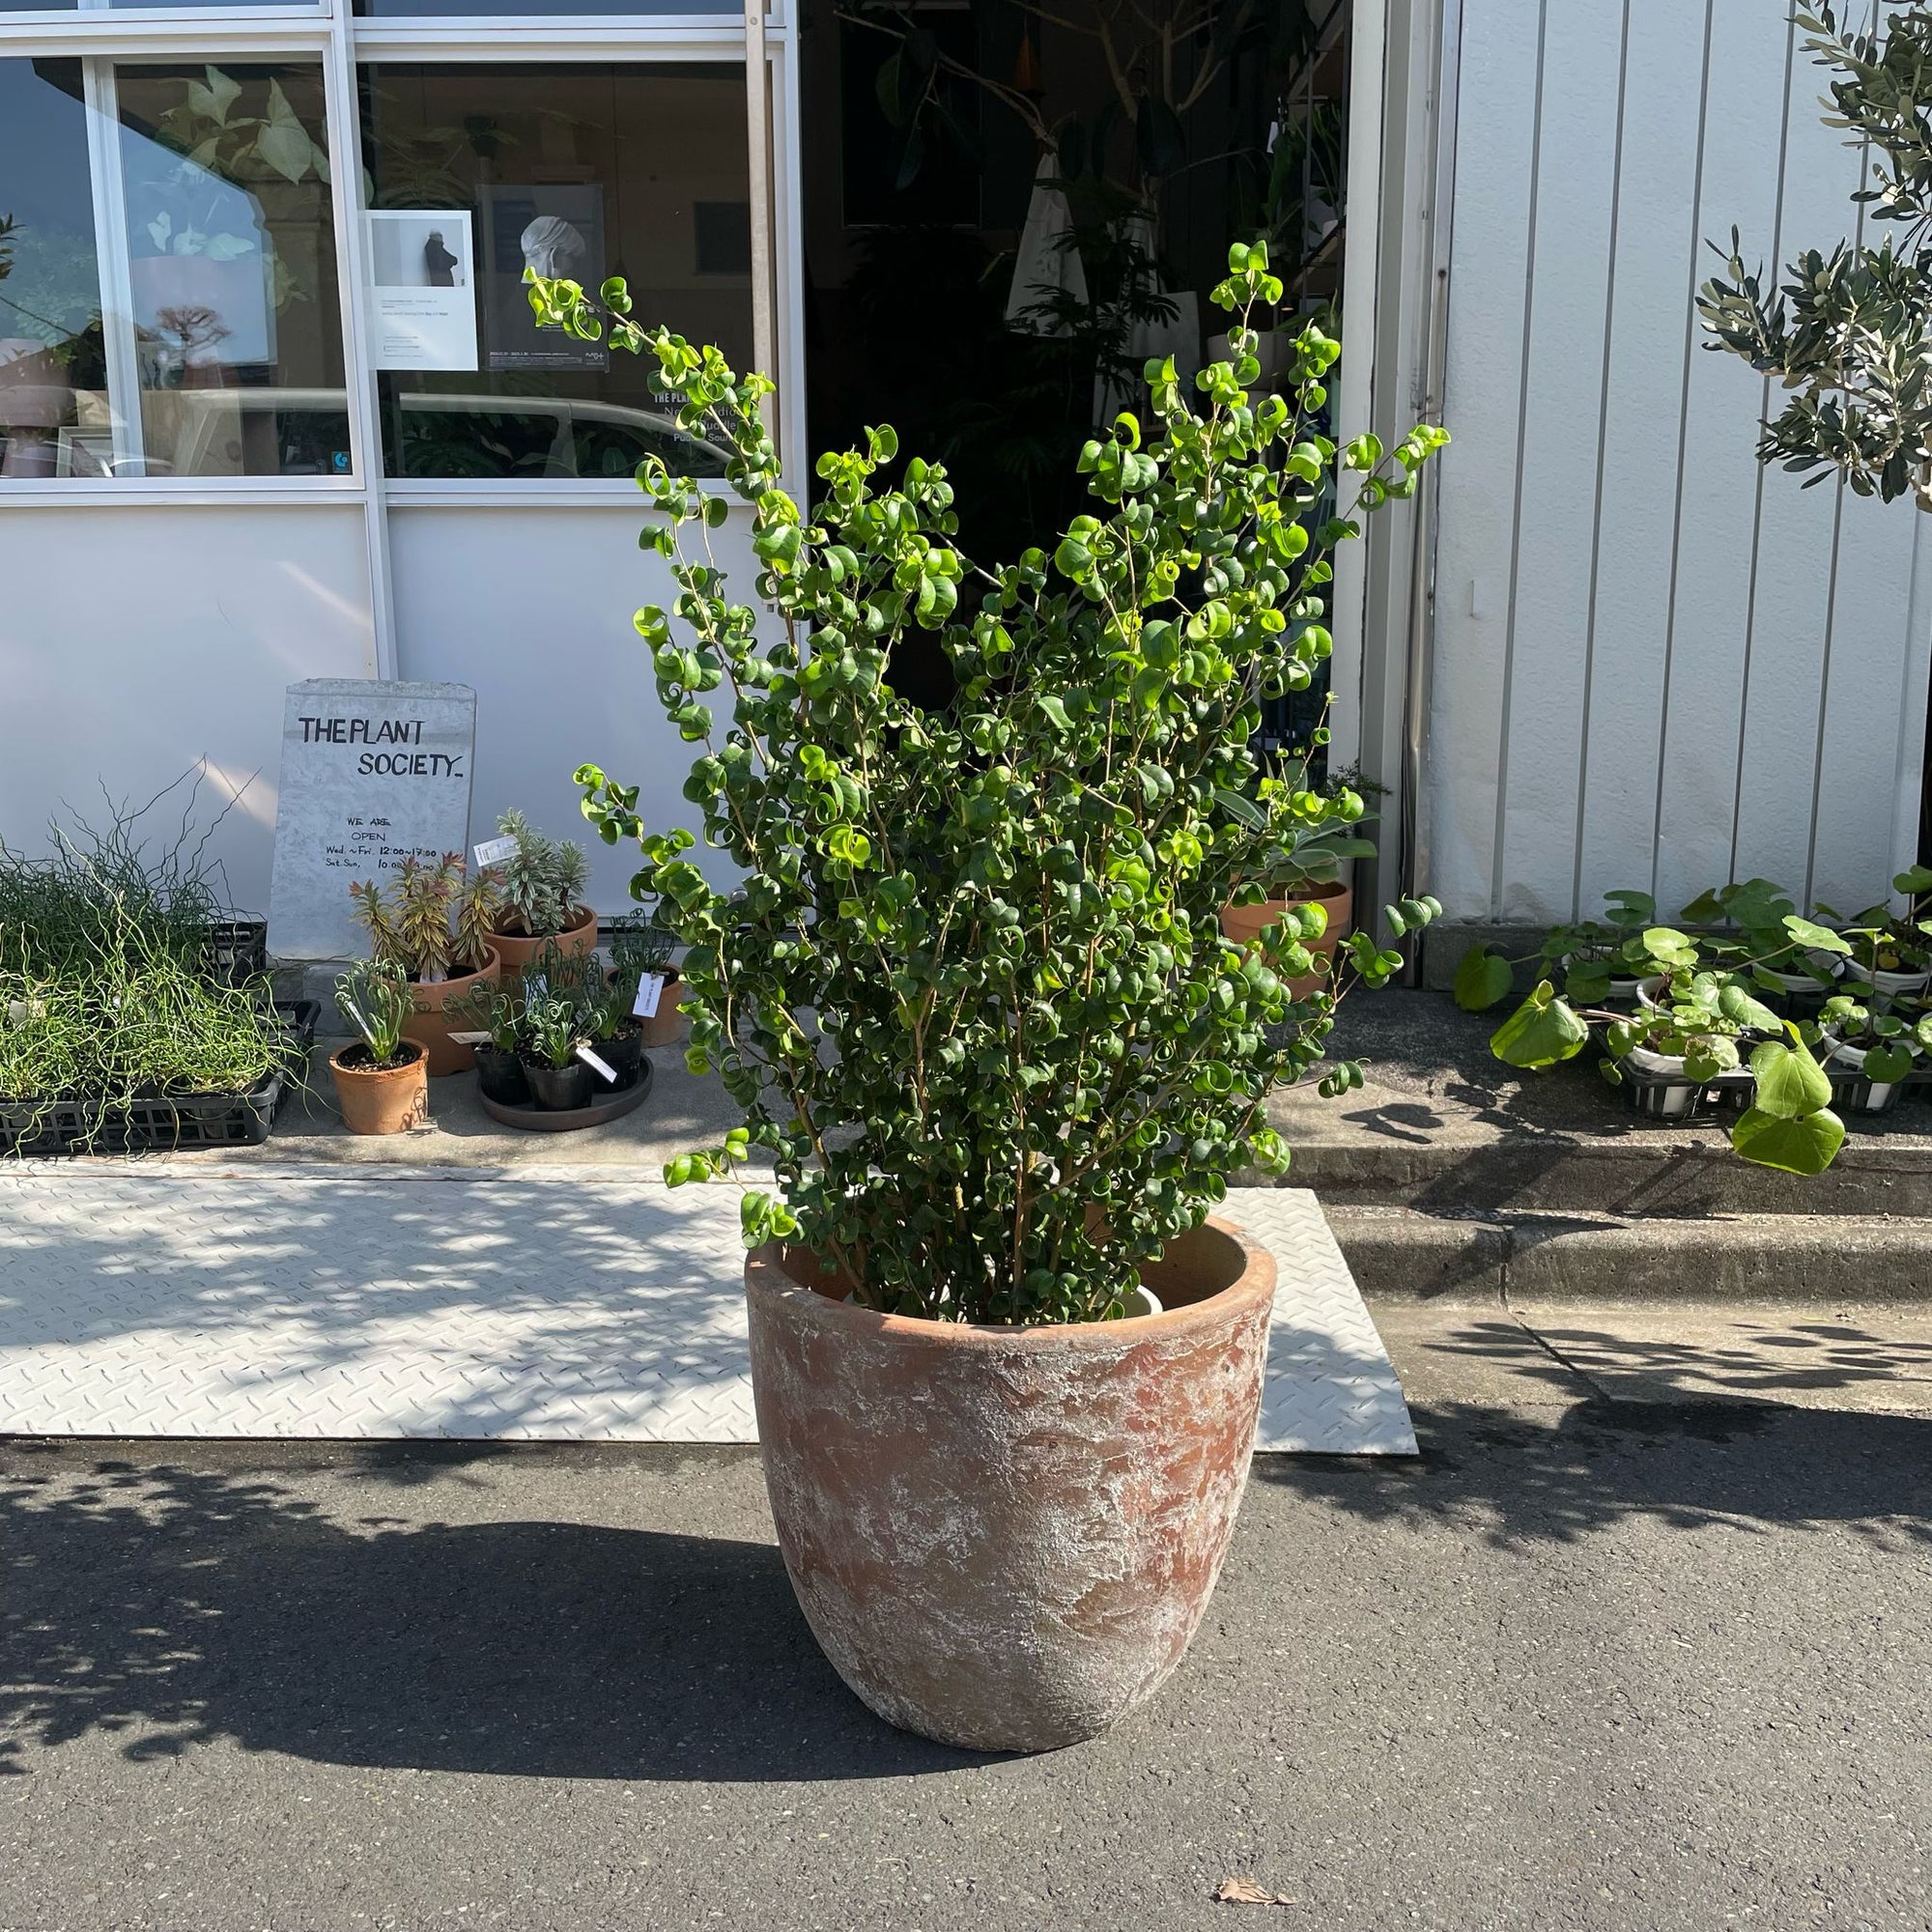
{"x":365,"y":422}
{"x":758,"y":131}
{"x":113,"y":255}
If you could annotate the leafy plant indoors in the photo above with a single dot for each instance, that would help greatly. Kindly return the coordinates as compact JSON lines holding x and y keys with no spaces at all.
{"x":972,"y":994}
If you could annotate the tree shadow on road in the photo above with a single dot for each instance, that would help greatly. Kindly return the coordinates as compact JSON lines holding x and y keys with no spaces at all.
{"x":181,"y":1606}
{"x":1516,"y":1479}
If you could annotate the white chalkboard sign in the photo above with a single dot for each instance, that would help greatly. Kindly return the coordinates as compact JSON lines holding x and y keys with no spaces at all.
{"x":371,"y":774}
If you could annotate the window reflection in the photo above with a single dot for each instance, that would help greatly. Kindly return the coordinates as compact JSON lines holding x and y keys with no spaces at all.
{"x":53,"y":379}
{"x":232,"y":285}
{"x":201,"y":335}
{"x":583,"y":170}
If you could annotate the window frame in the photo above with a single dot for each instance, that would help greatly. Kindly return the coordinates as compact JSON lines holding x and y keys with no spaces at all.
{"x":329,"y":32}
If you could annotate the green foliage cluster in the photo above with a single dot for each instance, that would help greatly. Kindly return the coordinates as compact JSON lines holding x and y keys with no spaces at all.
{"x":973,"y":993}
{"x":1713,"y":1006}
{"x":559,"y":996}
{"x":109,"y":986}
{"x":431,"y":920}
{"x":374,"y":997}
{"x":1850,"y":335}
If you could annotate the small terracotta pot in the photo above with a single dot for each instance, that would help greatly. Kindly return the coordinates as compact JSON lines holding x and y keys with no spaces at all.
{"x":666,"y":1026}
{"x":1005,"y":1538}
{"x":517,"y":948}
{"x":432,"y":1023}
{"x":381,"y":1100}
{"x":1242,"y":924}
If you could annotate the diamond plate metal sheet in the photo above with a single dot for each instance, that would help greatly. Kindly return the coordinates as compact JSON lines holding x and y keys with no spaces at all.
{"x":555,"y":1304}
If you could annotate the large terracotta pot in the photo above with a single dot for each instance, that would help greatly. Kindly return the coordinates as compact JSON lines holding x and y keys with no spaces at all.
{"x":1005,"y":1538}
{"x":517,"y":948}
{"x":432,"y":1023}
{"x":381,"y":1100}
{"x":1242,"y":924}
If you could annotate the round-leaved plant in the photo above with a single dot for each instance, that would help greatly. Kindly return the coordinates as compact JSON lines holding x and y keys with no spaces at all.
{"x":972,"y":991}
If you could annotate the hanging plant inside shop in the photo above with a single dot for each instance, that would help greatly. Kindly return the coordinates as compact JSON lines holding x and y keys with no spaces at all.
{"x":974,"y":999}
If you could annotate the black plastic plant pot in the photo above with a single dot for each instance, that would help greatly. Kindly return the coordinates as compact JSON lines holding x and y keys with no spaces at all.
{"x":560,"y":1089}
{"x":500,"y":1076}
{"x":623,"y":1053}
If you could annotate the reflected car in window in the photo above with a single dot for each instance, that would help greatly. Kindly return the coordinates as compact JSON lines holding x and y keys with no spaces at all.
{"x":449,"y":435}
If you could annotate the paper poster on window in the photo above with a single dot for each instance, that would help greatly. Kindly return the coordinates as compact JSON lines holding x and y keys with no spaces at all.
{"x":556,"y":229}
{"x":422,"y":265}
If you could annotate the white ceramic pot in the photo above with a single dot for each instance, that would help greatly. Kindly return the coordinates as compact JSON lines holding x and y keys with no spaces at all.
{"x":1676,"y":1101}
{"x":1895,"y":984}
{"x":1876,"y":1092}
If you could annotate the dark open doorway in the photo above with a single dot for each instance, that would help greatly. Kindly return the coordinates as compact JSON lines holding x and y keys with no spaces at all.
{"x":1010,"y":204}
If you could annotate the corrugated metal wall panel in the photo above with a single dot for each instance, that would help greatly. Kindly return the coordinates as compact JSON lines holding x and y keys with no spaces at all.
{"x":1655,"y":664}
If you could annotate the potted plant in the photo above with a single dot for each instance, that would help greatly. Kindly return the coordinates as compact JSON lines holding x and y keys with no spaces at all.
{"x":434,"y":925}
{"x":543,"y":883}
{"x":1891,"y":953}
{"x":552,"y":1032}
{"x":1310,"y":876}
{"x":973,"y":998}
{"x":641,"y":950}
{"x":381,"y":1077}
{"x":1685,"y":1040}
{"x":496,"y":1012}
{"x":1606,"y":961}
{"x":1872,"y":1053}
{"x":1759,"y":932}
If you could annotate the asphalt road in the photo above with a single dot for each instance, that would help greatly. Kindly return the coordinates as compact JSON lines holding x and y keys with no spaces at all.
{"x":1583,"y":1666}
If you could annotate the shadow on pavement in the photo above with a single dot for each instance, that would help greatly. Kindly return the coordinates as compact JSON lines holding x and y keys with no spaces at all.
{"x":1740,"y":1467}
{"x":187,"y":1605}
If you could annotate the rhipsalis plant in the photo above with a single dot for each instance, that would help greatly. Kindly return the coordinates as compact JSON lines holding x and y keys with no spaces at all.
{"x":973,"y":993}
{"x":1850,"y":334}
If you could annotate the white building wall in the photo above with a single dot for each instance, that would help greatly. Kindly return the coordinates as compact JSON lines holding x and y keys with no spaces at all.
{"x":137,"y":640}
{"x":1655,"y":664}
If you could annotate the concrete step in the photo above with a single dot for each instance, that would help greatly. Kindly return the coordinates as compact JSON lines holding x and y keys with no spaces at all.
{"x":1443,"y":1127}
{"x":1843,"y":1260}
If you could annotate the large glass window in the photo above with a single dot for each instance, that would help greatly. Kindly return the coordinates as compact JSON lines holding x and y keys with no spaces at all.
{"x":585,"y":170}
{"x":170,"y":303}
{"x":53,"y":380}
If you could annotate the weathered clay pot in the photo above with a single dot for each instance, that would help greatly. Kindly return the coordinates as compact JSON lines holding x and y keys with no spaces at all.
{"x":1242,"y":924}
{"x":1004,"y":1538}
{"x":431,"y":1026}
{"x":517,"y":948}
{"x":666,"y":1026}
{"x":381,"y":1100}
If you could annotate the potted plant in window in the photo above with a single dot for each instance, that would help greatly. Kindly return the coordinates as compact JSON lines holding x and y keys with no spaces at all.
{"x":434,"y":927}
{"x":541,"y":885}
{"x":381,"y":1077}
{"x":973,"y":998}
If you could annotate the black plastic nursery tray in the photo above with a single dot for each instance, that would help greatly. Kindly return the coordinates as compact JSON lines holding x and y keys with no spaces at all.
{"x":166,"y":1123}
{"x":613,"y":1106}
{"x":238,"y":950}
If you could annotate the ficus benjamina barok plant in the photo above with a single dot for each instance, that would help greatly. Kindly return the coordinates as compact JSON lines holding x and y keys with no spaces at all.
{"x":972,"y":992}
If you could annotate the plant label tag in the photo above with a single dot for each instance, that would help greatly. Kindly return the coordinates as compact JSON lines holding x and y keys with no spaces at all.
{"x":597,"y":1065}
{"x":473,"y":1038}
{"x":650,"y":990}
{"x":493,"y":851}
{"x":536,"y":986}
